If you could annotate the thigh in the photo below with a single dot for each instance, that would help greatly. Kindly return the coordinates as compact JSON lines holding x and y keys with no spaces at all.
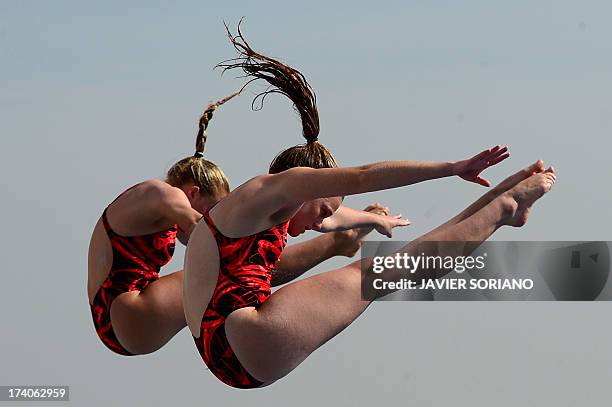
{"x":146,"y":320}
{"x":294,"y":321}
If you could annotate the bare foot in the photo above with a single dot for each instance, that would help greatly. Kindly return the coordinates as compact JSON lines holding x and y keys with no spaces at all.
{"x":514,"y":179}
{"x":523,"y":195}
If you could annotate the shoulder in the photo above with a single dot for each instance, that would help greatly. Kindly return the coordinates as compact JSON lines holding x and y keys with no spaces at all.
{"x":161,"y":193}
{"x":276,"y":183}
{"x":252,"y":186}
{"x":152,"y":185}
{"x":250,"y":208}
{"x":265,"y":189}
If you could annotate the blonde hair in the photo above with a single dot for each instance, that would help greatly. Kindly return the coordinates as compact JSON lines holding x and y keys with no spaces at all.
{"x":196,"y":169}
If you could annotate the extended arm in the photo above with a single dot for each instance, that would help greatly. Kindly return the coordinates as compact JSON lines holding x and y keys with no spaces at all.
{"x":346,"y":218}
{"x":277,"y":197}
{"x":304,"y":184}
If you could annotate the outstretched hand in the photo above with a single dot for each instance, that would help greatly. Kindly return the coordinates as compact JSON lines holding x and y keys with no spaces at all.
{"x":386,"y":221}
{"x":348,"y":242}
{"x":470,"y":169}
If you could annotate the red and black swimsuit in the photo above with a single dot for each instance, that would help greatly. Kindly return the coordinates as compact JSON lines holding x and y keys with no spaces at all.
{"x":136,"y":263}
{"x":245,"y":271}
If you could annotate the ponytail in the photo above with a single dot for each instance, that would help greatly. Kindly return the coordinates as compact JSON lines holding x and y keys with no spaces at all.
{"x":196,"y":169}
{"x":282,"y":79}
{"x":203,"y":123}
{"x":290,"y":82}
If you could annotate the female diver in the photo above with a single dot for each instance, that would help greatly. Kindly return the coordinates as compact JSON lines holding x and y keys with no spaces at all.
{"x":250,"y":337}
{"x":136,"y":312}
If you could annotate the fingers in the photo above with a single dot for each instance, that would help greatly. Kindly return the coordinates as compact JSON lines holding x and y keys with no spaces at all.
{"x":484,"y":153}
{"x":378,"y":209}
{"x":372,"y":206}
{"x":482,"y":181}
{"x":489,"y":157}
{"x":499,"y":151}
{"x":398,"y":221}
{"x":498,"y":159}
{"x":401,"y":221}
{"x":497,"y":155}
{"x":381,"y":212}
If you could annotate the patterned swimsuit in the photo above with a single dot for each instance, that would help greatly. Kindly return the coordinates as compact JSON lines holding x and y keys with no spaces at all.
{"x":245,"y":271}
{"x":136,"y":264}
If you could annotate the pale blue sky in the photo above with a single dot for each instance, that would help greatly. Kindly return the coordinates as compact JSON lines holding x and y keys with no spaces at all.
{"x":95,"y":96}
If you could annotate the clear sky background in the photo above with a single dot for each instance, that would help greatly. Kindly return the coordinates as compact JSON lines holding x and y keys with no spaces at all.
{"x":96,"y":96}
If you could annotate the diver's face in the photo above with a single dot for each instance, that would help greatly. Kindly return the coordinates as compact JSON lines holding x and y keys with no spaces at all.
{"x":311,"y":215}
